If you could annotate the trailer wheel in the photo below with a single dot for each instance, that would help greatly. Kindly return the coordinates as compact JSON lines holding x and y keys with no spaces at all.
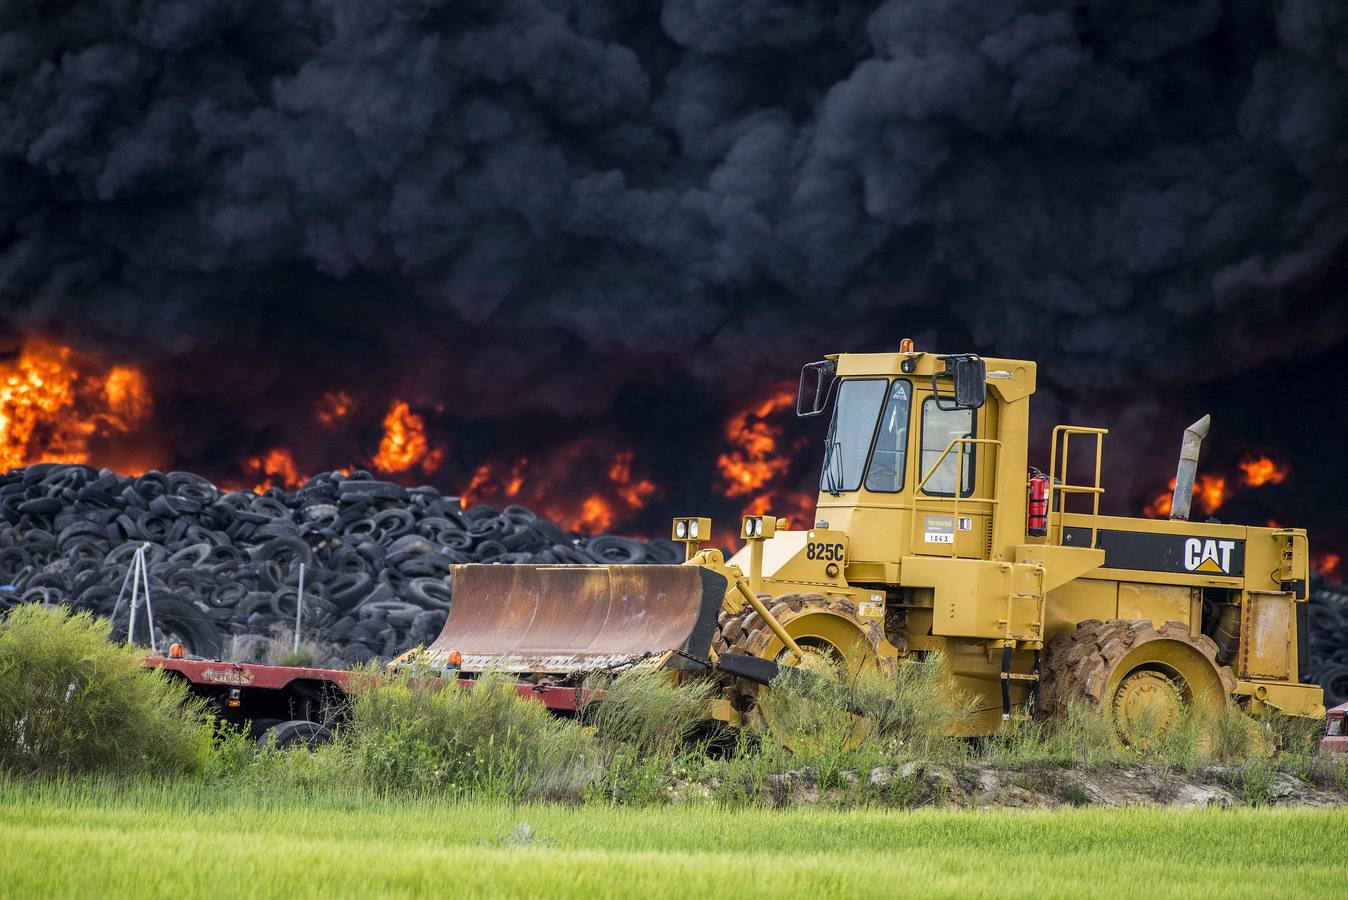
{"x":259,"y":727}
{"x":295,"y":733}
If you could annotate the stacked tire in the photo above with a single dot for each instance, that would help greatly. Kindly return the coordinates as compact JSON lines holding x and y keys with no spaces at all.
{"x":1328,"y":660}
{"x":224,"y":567}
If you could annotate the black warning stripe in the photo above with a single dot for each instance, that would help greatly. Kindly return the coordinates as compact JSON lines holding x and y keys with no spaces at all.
{"x":1147,"y":551}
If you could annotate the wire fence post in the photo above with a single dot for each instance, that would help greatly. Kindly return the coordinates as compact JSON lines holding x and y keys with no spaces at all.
{"x":121,"y":595}
{"x":135,"y":595}
{"x":299,"y":609}
{"x":149,"y":609}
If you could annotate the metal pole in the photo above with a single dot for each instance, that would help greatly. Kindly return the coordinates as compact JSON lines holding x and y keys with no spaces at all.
{"x":149,"y":610}
{"x":135,"y":596}
{"x":299,"y":609}
{"x":121,"y":593}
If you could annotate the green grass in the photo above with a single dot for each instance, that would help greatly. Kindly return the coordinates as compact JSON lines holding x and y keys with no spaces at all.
{"x":188,"y":839}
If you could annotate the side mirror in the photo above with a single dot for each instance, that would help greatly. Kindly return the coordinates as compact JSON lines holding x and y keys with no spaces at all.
{"x":970,"y":375}
{"x":816,"y":383}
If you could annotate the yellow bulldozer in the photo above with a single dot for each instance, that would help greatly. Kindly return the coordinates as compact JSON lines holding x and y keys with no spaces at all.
{"x":931,"y":533}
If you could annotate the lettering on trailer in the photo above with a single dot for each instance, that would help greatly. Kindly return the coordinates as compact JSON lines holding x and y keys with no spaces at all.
{"x":1151,"y":552}
{"x":241,"y":677}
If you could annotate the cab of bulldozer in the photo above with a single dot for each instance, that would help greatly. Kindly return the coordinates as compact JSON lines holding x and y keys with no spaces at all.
{"x":923,"y":454}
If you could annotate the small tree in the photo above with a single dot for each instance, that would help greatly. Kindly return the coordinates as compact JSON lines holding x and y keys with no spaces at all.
{"x":73,"y":701}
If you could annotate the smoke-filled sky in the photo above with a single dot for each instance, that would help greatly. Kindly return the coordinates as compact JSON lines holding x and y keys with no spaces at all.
{"x":614,"y":214}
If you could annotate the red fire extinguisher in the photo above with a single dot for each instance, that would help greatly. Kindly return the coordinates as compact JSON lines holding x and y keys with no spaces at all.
{"x":1036,"y":523}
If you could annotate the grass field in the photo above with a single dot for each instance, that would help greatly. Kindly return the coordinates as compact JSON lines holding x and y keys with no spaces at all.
{"x":88,"y":838}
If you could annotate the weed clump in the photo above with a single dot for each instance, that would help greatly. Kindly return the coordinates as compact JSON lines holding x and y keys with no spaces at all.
{"x":649,"y":712}
{"x":644,"y":725}
{"x":408,"y":733}
{"x":72,"y":701}
{"x":836,"y":721}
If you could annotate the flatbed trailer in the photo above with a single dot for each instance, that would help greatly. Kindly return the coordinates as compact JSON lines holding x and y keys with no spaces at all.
{"x":261,"y":697}
{"x":1336,"y":730}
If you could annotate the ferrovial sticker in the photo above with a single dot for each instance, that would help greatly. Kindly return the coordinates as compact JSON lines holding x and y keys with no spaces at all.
{"x":939,"y":529}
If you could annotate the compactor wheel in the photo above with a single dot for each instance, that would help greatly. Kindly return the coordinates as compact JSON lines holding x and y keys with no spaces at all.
{"x":832,"y":628}
{"x":1142,"y":676}
{"x":845,"y":643}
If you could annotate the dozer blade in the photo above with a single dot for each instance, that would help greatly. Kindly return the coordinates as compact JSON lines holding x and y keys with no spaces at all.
{"x":564,"y":620}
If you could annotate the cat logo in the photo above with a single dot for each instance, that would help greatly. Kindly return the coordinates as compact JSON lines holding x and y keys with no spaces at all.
{"x":1208,"y":556}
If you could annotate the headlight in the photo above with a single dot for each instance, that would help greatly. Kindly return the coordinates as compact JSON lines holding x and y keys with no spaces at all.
{"x":681,"y":529}
{"x":755,"y":527}
{"x":692,"y":529}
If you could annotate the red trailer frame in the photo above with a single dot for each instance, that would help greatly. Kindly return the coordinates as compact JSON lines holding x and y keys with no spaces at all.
{"x":253,"y":694}
{"x":1336,"y":730}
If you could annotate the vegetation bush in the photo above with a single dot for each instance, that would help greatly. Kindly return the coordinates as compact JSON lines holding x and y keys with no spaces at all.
{"x":647,"y":711}
{"x":834,"y":722}
{"x":644,"y":725}
{"x":903,"y":712}
{"x":1080,"y":737}
{"x":406,"y":733}
{"x":71,"y":701}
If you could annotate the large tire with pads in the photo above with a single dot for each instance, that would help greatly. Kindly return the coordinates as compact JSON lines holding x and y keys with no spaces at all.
{"x":1141,"y":676}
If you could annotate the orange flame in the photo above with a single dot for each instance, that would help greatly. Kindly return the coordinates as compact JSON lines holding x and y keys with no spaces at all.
{"x":600,"y":509}
{"x":633,"y":493}
{"x":1328,"y":564}
{"x":797,"y":507}
{"x":404,"y":445}
{"x":1209,"y":493}
{"x":127,"y":395}
{"x":478,"y":486}
{"x":516,"y":479}
{"x":1260,"y":470}
{"x":333,"y":407}
{"x":276,"y":468}
{"x":52,"y":406}
{"x":595,"y":516}
{"x":551,"y":488}
{"x":754,"y":458}
{"x":484,"y":485}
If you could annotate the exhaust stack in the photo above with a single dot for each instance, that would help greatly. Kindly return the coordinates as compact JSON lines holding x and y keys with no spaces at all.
{"x":1182,"y":500}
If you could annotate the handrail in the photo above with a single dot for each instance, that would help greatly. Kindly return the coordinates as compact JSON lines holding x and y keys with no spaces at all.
{"x":959,"y":487}
{"x":1066,"y":488}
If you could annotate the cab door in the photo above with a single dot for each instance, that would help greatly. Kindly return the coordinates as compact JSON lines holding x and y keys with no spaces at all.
{"x":951,"y":517}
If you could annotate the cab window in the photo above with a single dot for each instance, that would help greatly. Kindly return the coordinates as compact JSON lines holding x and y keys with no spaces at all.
{"x":885,"y":473}
{"x":939,"y":428}
{"x":850,"y":433}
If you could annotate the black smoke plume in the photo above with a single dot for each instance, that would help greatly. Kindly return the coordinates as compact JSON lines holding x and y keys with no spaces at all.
{"x":578,"y":211}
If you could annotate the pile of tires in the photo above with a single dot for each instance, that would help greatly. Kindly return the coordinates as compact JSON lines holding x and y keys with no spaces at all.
{"x":224,"y":567}
{"x":1328,"y":658}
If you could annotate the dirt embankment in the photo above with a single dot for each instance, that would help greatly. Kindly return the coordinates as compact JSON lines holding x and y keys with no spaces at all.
{"x":975,"y":786}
